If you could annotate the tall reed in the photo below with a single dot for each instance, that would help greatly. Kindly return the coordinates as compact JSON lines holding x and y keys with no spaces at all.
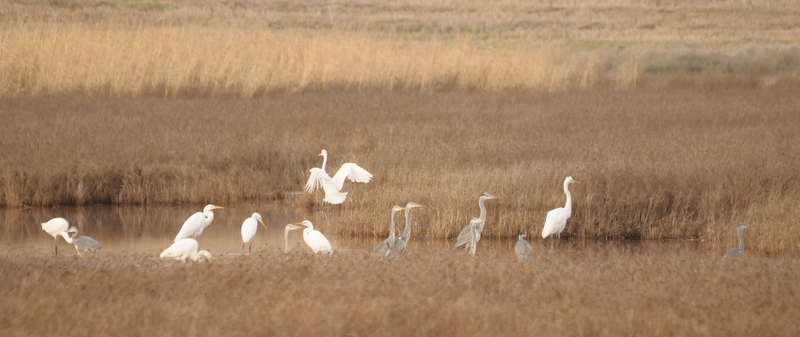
{"x":656,"y":163}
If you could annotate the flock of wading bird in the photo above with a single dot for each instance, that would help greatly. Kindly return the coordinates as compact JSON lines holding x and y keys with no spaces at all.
{"x":185,"y":244}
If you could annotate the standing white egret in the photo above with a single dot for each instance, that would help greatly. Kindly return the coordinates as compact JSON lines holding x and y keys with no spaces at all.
{"x":381,"y":249}
{"x":56,"y":227}
{"x":557,"y":219}
{"x":82,"y":243}
{"x":195,"y":224}
{"x":737,"y":251}
{"x":249,"y":228}
{"x":466,"y":237}
{"x":314,"y":239}
{"x":333,"y":186}
{"x":401,"y":241}
{"x":523,"y":248}
{"x":183,"y":249}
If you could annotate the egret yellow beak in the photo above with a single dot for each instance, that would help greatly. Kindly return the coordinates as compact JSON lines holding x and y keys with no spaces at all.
{"x":575,"y":181}
{"x":218,"y":207}
{"x":262,"y":223}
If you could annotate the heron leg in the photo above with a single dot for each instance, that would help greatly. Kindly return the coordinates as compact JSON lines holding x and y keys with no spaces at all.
{"x":56,"y":245}
{"x":250,"y":249}
{"x":242,"y":247}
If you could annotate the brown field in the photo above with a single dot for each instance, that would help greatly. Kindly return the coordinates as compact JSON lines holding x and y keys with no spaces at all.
{"x":680,"y":118}
{"x":597,"y":290}
{"x":252,"y":48}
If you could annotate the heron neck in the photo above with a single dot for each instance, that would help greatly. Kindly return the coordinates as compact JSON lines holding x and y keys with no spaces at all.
{"x":741,"y":239}
{"x":209,"y":217}
{"x":483,"y":208}
{"x":324,"y":161}
{"x":286,"y":238}
{"x":391,"y":231}
{"x":407,"y":230}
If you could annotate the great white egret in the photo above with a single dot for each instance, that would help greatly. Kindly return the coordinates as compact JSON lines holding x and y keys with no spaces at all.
{"x":82,"y":243}
{"x":195,"y":224}
{"x":381,"y":249}
{"x":401,"y":241}
{"x":737,"y":251}
{"x":333,"y":186}
{"x":183,"y":249}
{"x":249,"y":228}
{"x":313,"y":238}
{"x":56,"y":227}
{"x":557,"y":219}
{"x":523,"y":248}
{"x":465,"y":238}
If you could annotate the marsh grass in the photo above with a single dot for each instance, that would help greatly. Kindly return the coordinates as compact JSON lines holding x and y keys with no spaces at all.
{"x":603,"y":290}
{"x":252,"y":48}
{"x":679,"y":160}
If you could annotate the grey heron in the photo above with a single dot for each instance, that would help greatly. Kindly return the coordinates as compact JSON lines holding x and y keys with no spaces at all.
{"x":737,"y":251}
{"x":523,"y":248}
{"x":82,"y":243}
{"x":383,"y":247}
{"x":468,"y":239}
{"x":401,"y":241}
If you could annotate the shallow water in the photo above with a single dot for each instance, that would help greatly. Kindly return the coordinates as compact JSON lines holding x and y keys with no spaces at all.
{"x":151,"y":229}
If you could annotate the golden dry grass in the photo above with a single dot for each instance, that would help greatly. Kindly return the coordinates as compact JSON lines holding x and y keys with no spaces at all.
{"x":598,"y":290}
{"x":681,"y":160}
{"x":249,"y":48}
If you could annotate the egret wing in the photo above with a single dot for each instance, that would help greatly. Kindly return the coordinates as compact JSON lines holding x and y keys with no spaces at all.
{"x":249,"y":228}
{"x":180,"y":249}
{"x":315,"y":179}
{"x":318,"y":242}
{"x":353,"y":172}
{"x":555,"y":222}
{"x":193,"y":226}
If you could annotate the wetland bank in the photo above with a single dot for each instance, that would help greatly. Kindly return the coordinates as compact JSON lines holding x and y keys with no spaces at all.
{"x":679,"y":118}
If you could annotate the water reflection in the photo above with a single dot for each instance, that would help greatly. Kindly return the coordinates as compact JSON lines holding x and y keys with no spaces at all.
{"x":151,"y":229}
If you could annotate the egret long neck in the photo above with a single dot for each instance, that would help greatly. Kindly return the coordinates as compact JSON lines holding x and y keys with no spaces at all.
{"x":568,"y":206}
{"x":324,"y":161}
{"x":66,"y":237}
{"x":741,"y":238}
{"x":209,"y":217}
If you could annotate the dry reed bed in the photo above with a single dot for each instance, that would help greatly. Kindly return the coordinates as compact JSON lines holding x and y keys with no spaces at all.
{"x":609,"y":290}
{"x":249,"y":48}
{"x":656,"y":163}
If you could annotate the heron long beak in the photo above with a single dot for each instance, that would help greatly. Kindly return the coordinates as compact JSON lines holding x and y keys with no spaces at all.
{"x":575,"y":181}
{"x":300,"y":225}
{"x":218,"y":207}
{"x":293,"y":226}
{"x":262,"y":223}
{"x":319,"y":154}
{"x":414,"y":206}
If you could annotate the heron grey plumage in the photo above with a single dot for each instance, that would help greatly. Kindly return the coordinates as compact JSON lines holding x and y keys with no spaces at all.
{"x":383,"y":247}
{"x":468,"y":238}
{"x":401,"y":241}
{"x":82,"y":243}
{"x":523,"y":248}
{"x":737,"y":251}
